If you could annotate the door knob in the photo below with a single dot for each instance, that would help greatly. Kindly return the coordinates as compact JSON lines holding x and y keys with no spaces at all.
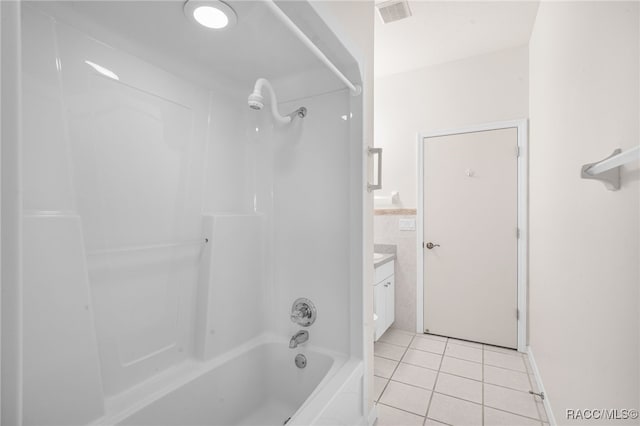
{"x":431,"y":245}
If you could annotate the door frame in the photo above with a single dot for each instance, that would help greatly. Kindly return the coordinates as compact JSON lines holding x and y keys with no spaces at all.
{"x":522,"y":126}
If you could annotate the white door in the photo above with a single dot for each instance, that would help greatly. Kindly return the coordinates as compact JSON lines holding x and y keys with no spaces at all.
{"x":470,"y":217}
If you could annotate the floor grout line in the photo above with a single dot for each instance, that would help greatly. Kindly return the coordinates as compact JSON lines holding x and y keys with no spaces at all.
{"x":453,"y":374}
{"x":470,"y":360}
{"x":435,"y":383}
{"x":506,"y":387}
{"x":463,"y":359}
{"x":386,"y":357}
{"x":451,"y":344}
{"x":416,"y":365}
{"x":401,"y":409}
{"x":514,"y":413}
{"x":516,"y":355}
{"x":457,"y":397}
{"x":389,"y":343}
{"x":450,"y":374}
{"x":383,"y":388}
{"x":439,"y":392}
{"x":460,"y":399}
{"x":439,"y":371}
{"x":437,"y":421}
{"x":429,"y":352}
{"x":412,"y":385}
{"x":394,"y":372}
{"x":461,"y":377}
{"x":505,"y":368}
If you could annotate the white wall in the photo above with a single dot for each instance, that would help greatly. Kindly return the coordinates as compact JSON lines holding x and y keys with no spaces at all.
{"x":485,"y":88}
{"x":584,"y":268}
{"x":491,"y":87}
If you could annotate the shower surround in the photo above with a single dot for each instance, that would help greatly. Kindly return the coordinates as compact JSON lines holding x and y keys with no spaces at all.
{"x":167,"y":227}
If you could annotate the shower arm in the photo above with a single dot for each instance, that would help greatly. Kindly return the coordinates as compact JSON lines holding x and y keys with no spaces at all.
{"x":262,"y":82}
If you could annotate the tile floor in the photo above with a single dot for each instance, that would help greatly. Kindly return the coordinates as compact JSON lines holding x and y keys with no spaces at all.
{"x":430,"y":380}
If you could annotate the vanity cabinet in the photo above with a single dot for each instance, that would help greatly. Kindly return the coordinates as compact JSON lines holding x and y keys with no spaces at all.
{"x":384,"y":290}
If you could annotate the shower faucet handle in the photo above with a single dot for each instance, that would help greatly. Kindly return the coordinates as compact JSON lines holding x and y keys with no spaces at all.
{"x":300,"y":314}
{"x":303,"y":312}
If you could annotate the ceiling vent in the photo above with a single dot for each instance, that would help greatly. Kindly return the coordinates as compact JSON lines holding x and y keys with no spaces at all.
{"x":393,"y":10}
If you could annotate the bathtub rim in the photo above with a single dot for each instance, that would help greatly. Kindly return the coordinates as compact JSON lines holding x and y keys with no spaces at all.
{"x":120,"y":407}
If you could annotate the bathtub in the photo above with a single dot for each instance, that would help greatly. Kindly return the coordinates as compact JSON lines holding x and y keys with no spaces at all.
{"x":257,"y":384}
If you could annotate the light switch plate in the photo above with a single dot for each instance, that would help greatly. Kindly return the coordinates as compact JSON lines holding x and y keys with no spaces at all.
{"x":407,"y":224}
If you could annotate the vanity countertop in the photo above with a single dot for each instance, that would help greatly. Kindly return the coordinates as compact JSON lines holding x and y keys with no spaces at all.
{"x":380,"y":259}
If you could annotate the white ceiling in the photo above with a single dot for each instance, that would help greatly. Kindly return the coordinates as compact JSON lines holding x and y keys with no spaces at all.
{"x":443,"y":31}
{"x":258,"y":46}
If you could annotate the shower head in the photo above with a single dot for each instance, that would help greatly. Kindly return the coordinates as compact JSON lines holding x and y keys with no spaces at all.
{"x":256,"y":101}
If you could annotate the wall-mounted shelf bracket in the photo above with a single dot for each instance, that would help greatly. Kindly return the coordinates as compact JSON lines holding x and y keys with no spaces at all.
{"x":608,"y":169}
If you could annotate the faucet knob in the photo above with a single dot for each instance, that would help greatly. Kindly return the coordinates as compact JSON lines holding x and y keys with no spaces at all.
{"x":303,"y":312}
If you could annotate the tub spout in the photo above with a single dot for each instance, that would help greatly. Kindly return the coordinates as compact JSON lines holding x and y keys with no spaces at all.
{"x":298,"y":338}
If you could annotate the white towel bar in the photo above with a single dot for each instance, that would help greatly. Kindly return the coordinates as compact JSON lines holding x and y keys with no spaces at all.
{"x":608,"y":170}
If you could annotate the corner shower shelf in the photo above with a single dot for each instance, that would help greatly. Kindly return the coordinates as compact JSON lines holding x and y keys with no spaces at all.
{"x":608,"y":169}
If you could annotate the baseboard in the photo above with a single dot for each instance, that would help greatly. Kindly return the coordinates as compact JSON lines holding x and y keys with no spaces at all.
{"x":536,"y":374}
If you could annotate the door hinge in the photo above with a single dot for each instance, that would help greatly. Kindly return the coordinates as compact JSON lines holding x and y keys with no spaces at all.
{"x":518,"y":233}
{"x":517,"y":151}
{"x":517,"y":314}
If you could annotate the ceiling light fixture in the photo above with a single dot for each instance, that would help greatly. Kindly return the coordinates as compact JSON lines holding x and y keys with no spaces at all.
{"x":212,"y":14}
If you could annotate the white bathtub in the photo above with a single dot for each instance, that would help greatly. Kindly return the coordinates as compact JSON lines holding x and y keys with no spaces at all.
{"x":257,"y":384}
